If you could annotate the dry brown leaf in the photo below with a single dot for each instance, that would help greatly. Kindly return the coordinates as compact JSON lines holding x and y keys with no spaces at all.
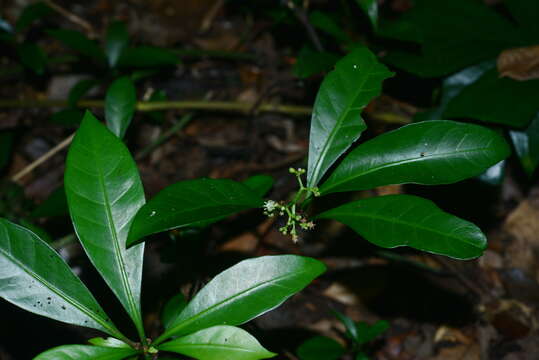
{"x":519,"y":63}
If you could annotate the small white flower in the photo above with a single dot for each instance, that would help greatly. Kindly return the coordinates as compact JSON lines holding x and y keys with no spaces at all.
{"x":270,"y":206}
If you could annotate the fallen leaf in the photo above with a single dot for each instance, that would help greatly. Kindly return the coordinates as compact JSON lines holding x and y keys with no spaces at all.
{"x":519,"y":63}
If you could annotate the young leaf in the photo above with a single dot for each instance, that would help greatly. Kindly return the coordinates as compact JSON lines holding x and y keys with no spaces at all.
{"x":172,"y":309}
{"x":428,"y":153}
{"x":117,"y":40}
{"x":34,"y":277}
{"x":405,"y":220}
{"x":260,"y":184}
{"x":496,"y":100}
{"x":371,"y":9}
{"x":526,"y":145}
{"x":320,"y":348}
{"x":192,"y":203}
{"x":218,"y":343}
{"x":104,"y":192}
{"x":336,"y":121}
{"x":85,"y":352}
{"x":78,"y":42}
{"x":245,"y":291}
{"x":120,"y":103}
{"x":33,"y":57}
{"x":310,"y":62}
{"x":367,"y":333}
{"x":30,"y":14}
{"x":147,"y":56}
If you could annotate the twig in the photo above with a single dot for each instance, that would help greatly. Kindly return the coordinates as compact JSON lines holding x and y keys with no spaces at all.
{"x":301,"y":15}
{"x":43,"y":158}
{"x":164,"y":137}
{"x":72,"y":17}
{"x":165,"y":105}
{"x":210,"y":15}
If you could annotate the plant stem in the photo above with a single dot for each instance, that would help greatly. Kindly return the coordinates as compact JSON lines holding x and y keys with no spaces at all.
{"x":226,"y":106}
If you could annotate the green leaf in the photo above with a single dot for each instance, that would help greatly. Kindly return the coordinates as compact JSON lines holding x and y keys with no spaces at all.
{"x":525,"y":12}
{"x":147,"y":56}
{"x":104,"y":192}
{"x":34,"y":277}
{"x":108,"y":342}
{"x":192,"y":203}
{"x":85,"y":352}
{"x":349,"y":324}
{"x":80,"y":89}
{"x":336,"y":121}
{"x":30,"y":14}
{"x":320,"y":348}
{"x":78,"y":42}
{"x":404,"y":220}
{"x":245,"y":291}
{"x":449,"y":36}
{"x":6,"y":143}
{"x":218,"y":343}
{"x":496,"y":100}
{"x":328,"y":25}
{"x":494,"y":174}
{"x":310,"y":62}
{"x":37,"y":230}
{"x":526,"y":145}
{"x":259,"y":184}
{"x":117,"y":39}
{"x":172,"y":309}
{"x":120,"y":104}
{"x":371,"y":9}
{"x":429,"y":153}
{"x":453,"y":85}
{"x":367,"y":333}
{"x":33,"y":57}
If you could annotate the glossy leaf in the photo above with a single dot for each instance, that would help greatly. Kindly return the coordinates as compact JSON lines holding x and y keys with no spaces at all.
{"x":117,"y":39}
{"x":172,"y":309}
{"x":80,"y":89}
{"x":30,"y":14}
{"x":245,"y":291}
{"x":218,"y":343}
{"x":104,"y":192}
{"x":336,"y":121}
{"x":320,"y":348}
{"x":78,"y":42}
{"x":349,"y":325}
{"x":147,"y":56}
{"x":192,"y":203}
{"x":120,"y":104}
{"x":449,"y":36}
{"x":526,"y":145}
{"x":494,"y":174}
{"x":452,"y":86}
{"x":259,"y":184}
{"x":85,"y":352}
{"x":108,"y":342}
{"x":404,"y":220}
{"x":310,"y":62}
{"x":371,"y":9}
{"x":428,"y":153}
{"x":496,"y":100}
{"x":33,"y":57}
{"x":34,"y":277}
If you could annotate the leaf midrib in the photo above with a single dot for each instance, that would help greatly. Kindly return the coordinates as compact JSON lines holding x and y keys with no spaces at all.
{"x":88,"y":312}
{"x":405,"y":223}
{"x":192,"y":319}
{"x":208,"y":346}
{"x":338,"y":123}
{"x":394,"y":163}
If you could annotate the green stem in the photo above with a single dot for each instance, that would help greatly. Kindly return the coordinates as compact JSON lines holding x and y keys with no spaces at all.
{"x":226,"y":106}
